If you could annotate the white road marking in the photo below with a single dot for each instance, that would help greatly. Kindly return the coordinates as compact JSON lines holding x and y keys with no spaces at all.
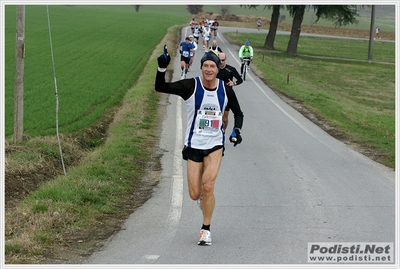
{"x":175,"y":208}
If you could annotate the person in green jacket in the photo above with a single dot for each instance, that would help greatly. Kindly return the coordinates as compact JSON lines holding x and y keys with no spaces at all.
{"x":245,"y":52}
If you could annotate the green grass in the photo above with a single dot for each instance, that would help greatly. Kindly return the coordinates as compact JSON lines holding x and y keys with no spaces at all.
{"x":99,"y":51}
{"x":355,"y":96}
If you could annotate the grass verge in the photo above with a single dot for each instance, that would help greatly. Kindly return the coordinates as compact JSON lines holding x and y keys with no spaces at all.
{"x":96,"y":196}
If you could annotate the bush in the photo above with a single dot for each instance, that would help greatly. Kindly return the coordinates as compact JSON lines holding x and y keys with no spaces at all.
{"x":193,"y":9}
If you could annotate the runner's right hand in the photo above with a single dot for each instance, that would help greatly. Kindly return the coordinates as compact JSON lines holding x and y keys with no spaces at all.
{"x":164,"y":59}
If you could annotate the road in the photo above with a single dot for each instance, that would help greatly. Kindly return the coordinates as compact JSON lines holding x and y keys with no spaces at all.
{"x":289,"y":183}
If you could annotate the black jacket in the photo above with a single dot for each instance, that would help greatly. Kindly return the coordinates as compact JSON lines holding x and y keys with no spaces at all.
{"x":228,"y":73}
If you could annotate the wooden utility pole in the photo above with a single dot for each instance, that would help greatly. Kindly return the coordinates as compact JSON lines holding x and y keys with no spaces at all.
{"x":19,"y":77}
{"x":371,"y":34}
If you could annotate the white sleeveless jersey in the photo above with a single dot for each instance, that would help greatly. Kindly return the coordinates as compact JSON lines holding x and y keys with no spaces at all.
{"x":196,"y":32}
{"x":206,"y":33}
{"x":204,"y":116}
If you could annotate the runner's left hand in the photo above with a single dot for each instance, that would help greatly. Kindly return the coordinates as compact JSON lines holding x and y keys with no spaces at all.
{"x":235,"y":137}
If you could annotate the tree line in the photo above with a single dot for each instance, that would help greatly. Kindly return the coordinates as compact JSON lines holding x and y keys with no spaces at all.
{"x":340,"y":15}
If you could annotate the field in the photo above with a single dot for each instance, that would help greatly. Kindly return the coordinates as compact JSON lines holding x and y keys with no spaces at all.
{"x":109,"y":121}
{"x":96,"y":60}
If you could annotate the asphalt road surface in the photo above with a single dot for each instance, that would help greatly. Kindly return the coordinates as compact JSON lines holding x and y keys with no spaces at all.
{"x":288,"y":184}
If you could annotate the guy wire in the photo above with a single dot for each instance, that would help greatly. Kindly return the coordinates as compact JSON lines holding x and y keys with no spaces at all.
{"x":56,"y":91}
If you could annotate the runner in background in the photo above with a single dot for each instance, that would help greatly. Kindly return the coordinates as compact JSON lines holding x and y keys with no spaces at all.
{"x":259,"y":24}
{"x":377,"y":31}
{"x":206,"y":37}
{"x":227,"y":73}
{"x":193,"y":24}
{"x":184,"y":49}
{"x":215,"y":28}
{"x":211,"y":24}
{"x":202,"y":25}
{"x":196,"y":34}
{"x":214,"y":46}
{"x":192,"y":52}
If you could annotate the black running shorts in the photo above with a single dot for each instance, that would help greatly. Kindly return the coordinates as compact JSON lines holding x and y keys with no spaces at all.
{"x":185,"y":59}
{"x":197,"y":155}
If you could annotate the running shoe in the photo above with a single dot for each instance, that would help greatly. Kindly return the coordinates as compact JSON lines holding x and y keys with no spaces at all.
{"x":205,"y":238}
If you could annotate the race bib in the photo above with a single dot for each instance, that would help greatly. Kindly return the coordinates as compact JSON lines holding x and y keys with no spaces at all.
{"x":208,"y":122}
{"x":185,"y":53}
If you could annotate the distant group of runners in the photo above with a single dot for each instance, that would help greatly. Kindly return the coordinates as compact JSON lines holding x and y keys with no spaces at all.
{"x":206,"y":28}
{"x":188,"y":47}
